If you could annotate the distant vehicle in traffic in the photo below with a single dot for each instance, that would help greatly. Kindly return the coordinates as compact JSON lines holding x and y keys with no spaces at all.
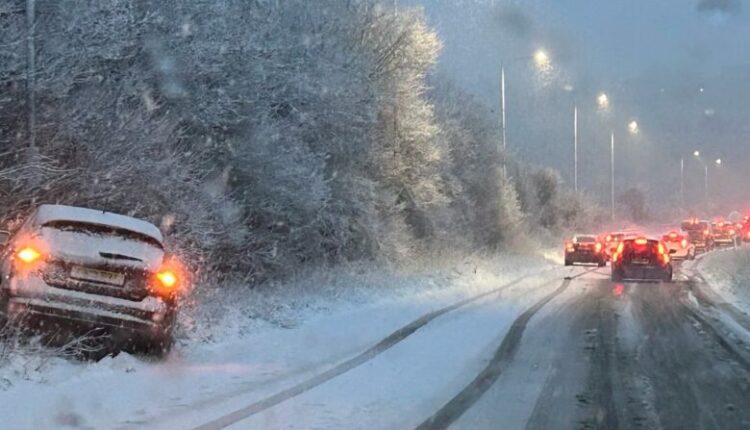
{"x":679,"y":246}
{"x":641,"y":259}
{"x":744,"y":231}
{"x":700,"y":234}
{"x":725,"y":234}
{"x":85,"y":271}
{"x":610,"y":242}
{"x":584,"y":248}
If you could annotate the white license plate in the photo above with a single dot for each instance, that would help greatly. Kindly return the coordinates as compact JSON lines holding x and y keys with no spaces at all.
{"x":87,"y":274}
{"x":641,"y":262}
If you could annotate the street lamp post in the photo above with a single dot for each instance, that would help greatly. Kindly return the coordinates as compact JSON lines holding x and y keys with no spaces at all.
{"x":575,"y":148}
{"x":502,"y":118}
{"x":612,"y":174}
{"x":718,"y":162}
{"x":682,"y":183}
{"x":542,"y":62}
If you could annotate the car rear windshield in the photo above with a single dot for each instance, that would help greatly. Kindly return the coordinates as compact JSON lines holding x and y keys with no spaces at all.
{"x":585,"y":239}
{"x":648,"y":248}
{"x":87,"y":228}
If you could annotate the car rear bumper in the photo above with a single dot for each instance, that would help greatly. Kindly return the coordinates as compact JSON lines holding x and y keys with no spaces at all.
{"x":642,"y":273}
{"x":31,"y":300}
{"x":584,"y":257}
{"x":680,"y":253}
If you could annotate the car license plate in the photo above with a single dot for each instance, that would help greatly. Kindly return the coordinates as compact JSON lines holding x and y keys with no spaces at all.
{"x":87,"y":274}
{"x":641,"y":262}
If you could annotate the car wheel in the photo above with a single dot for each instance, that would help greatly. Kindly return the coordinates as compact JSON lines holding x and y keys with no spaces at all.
{"x":157,"y":348}
{"x":568,"y":262}
{"x":602,"y":263}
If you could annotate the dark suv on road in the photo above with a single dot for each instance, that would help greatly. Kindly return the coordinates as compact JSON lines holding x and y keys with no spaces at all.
{"x":641,"y":259}
{"x":585,"y":248}
{"x":83,"y":270}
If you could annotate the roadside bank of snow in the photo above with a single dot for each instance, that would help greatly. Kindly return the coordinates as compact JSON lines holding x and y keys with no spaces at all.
{"x":728,"y":273}
{"x":249,"y":342}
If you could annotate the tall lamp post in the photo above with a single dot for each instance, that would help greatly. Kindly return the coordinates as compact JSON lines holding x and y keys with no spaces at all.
{"x":717,"y":162}
{"x":633,"y":128}
{"x":542,"y":62}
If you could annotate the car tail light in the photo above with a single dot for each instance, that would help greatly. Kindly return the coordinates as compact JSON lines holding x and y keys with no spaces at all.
{"x":684,"y":243}
{"x":167,"y":279}
{"x":732,"y":231}
{"x":673,"y":236}
{"x":620,"y":248}
{"x":165,"y":282}
{"x":598,"y":247}
{"x":609,"y":238}
{"x":569,"y":247}
{"x":641,"y":241}
{"x":615,"y":257}
{"x":705,"y":232}
{"x":28,"y":255}
{"x":663,"y":254}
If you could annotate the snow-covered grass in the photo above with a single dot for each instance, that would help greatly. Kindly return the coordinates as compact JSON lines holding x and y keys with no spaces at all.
{"x":229,"y":311}
{"x":728,"y":272}
{"x":244,"y":344}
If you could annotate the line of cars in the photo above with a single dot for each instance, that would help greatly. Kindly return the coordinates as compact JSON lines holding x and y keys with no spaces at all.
{"x":639,"y":257}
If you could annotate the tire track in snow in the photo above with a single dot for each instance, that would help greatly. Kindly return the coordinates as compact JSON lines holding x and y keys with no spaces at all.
{"x":382,"y":346}
{"x":460,"y":403}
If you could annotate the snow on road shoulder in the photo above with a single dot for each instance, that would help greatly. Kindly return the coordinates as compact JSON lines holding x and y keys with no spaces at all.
{"x":728,"y":273}
{"x":245,"y":341}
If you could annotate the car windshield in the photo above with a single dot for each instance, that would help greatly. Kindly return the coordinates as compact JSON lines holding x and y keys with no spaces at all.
{"x":101,"y":230}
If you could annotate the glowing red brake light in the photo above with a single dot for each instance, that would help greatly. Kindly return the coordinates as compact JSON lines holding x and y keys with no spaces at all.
{"x":684,"y":243}
{"x":673,"y":235}
{"x":731,"y":231}
{"x":641,"y":241}
{"x":598,"y":247}
{"x":705,"y":232}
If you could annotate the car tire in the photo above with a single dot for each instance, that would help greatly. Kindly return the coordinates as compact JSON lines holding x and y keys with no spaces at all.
{"x":157,"y":348}
{"x":568,"y":262}
{"x":602,"y":263}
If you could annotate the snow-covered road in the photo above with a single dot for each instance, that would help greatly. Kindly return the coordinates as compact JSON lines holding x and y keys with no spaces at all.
{"x":550,"y":348}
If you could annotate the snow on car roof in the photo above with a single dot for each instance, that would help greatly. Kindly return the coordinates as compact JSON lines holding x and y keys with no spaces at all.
{"x":49,"y":213}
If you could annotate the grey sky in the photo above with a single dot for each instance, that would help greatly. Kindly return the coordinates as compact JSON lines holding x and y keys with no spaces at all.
{"x":652,"y":56}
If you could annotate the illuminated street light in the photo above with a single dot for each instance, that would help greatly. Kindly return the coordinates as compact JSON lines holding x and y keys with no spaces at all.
{"x":633,"y":127}
{"x":718,"y":161}
{"x":542,"y":62}
{"x":603,"y":101}
{"x":696,"y":153}
{"x":541,"y":59}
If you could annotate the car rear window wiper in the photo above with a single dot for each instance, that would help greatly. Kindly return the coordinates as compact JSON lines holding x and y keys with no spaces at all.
{"x":114,"y":256}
